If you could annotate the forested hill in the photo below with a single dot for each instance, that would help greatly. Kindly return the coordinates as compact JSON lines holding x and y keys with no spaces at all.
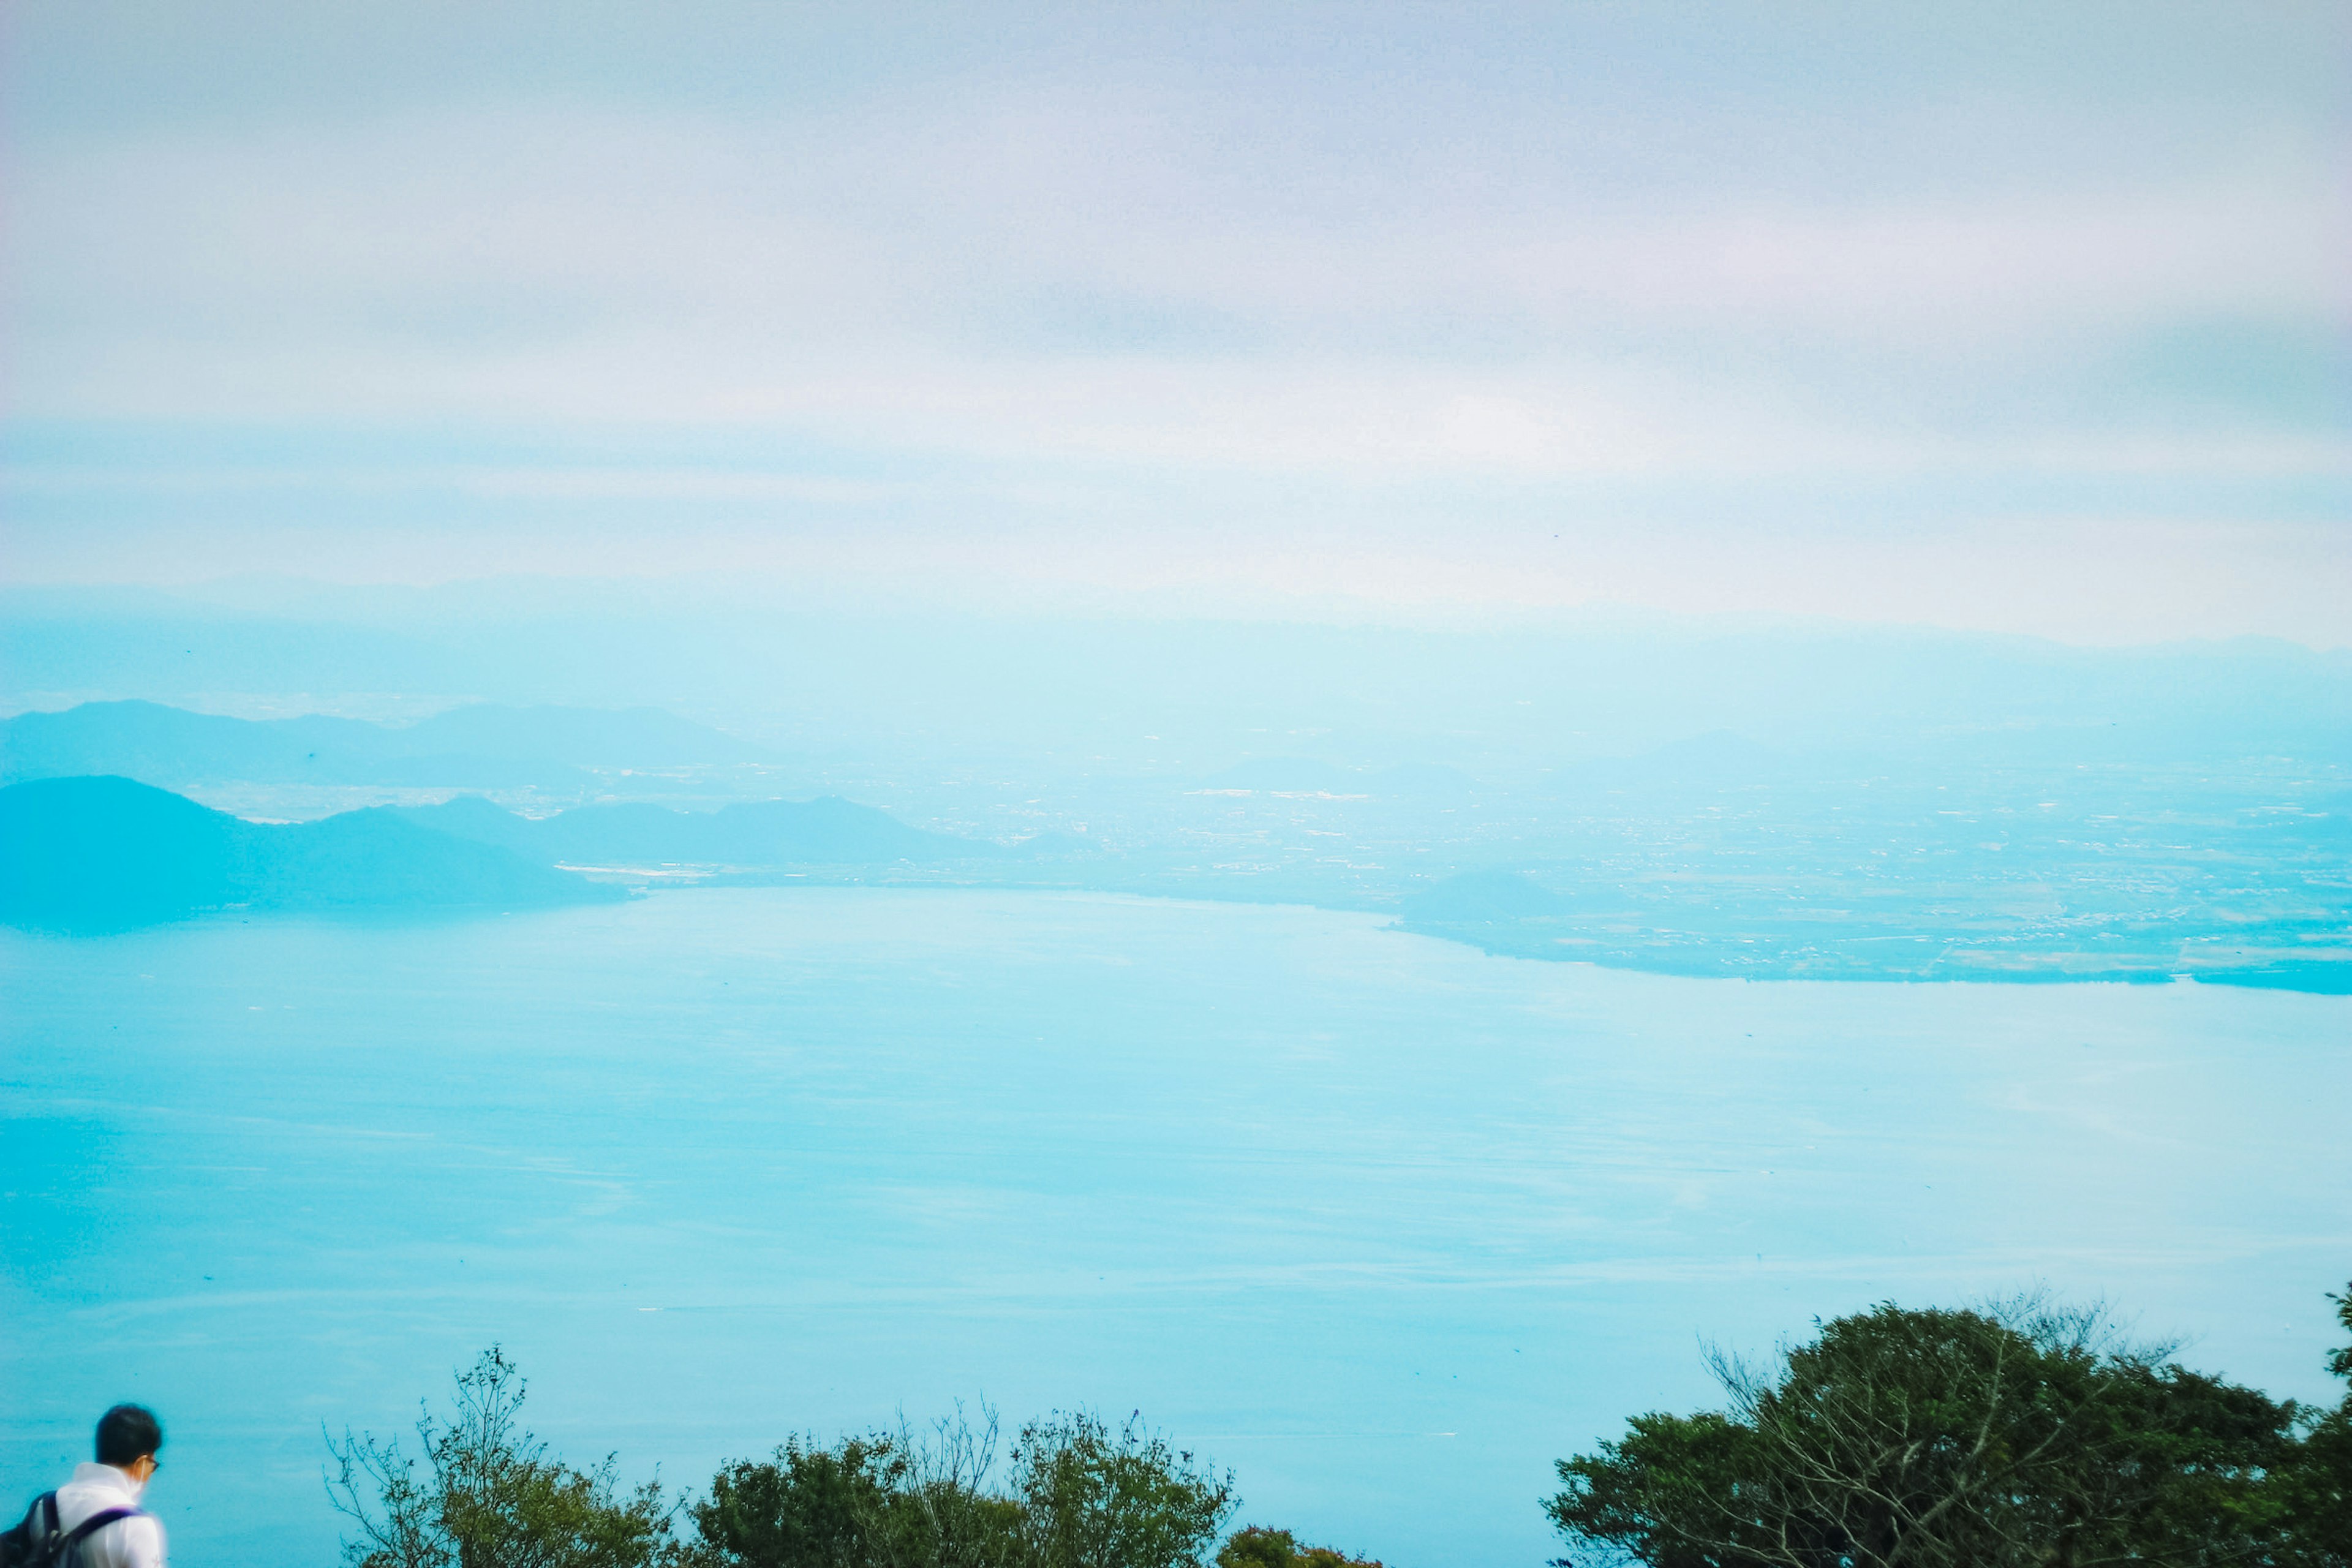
{"x":109,"y":853}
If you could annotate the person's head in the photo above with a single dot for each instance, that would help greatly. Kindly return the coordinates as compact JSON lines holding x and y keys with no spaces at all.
{"x":128,"y":1438}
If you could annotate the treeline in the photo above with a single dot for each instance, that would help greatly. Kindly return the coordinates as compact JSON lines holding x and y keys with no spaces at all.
{"x":1074,"y":1491}
{"x":2013,"y":1436}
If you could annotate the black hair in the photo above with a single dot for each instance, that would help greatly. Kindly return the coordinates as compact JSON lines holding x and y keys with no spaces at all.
{"x":126,"y":1433}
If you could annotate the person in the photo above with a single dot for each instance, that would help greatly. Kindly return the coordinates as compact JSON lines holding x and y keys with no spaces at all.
{"x":128,"y":1438}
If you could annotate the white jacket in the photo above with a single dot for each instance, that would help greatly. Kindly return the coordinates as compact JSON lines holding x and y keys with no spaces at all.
{"x":125,"y":1543}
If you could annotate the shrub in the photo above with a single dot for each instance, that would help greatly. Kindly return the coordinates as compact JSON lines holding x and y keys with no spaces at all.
{"x":1258,"y":1547}
{"x":2315,"y":1488}
{"x":489,"y":1497}
{"x":807,"y":1508}
{"x":1927,"y":1438}
{"x":1081,"y":1496}
{"x":1097,"y":1498}
{"x":887,"y":1499}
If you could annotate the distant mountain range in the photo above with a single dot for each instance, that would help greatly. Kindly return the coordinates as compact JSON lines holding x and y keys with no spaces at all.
{"x":109,"y":853}
{"x":483,"y":746}
{"x":1498,"y":701}
{"x":94,"y":854}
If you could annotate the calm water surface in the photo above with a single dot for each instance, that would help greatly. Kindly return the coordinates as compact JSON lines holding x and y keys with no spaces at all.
{"x":1383,"y":1223}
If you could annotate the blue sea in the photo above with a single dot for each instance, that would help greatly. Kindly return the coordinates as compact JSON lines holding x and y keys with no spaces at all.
{"x":1383,"y":1223}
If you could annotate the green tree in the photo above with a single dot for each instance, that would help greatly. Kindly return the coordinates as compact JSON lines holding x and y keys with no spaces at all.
{"x":1258,"y":1547}
{"x":887,"y":1499}
{"x":1078,"y":1495}
{"x":489,"y":1495}
{"x":945,"y":1510}
{"x":1095,"y":1498}
{"x":2315,"y":1489}
{"x":808,"y":1506}
{"x":1907,"y":1438}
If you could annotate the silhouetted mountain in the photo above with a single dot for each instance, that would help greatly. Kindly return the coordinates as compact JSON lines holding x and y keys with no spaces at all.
{"x":149,"y":740}
{"x":482,"y":745}
{"x":1502,"y":698}
{"x":472,"y":817}
{"x":108,"y":854}
{"x":1478,"y":897}
{"x":827,"y":832}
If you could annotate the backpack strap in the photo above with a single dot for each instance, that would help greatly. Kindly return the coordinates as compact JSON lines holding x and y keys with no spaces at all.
{"x":93,"y":1524}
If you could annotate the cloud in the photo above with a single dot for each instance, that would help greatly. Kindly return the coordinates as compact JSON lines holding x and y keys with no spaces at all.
{"x":1110,"y":267}
{"x":557,"y":262}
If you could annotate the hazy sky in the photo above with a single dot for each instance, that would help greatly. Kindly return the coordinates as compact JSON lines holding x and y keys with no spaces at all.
{"x":2034,"y":318}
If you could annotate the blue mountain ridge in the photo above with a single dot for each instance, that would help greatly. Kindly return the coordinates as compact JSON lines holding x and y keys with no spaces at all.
{"x":111,"y":854}
{"x":485,"y":745}
{"x":91,"y":854}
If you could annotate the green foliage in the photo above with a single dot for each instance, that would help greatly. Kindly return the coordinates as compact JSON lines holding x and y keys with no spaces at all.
{"x":1258,"y":1547}
{"x":1080,"y":1495}
{"x":887,"y":1499}
{"x":1099,"y":1498}
{"x":944,"y":1511}
{"x":807,"y":1506}
{"x":1944,"y":1439}
{"x":488,"y":1495}
{"x":2315,"y":1487}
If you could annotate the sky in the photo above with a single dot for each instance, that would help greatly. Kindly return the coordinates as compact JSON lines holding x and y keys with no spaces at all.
{"x":2023,"y":319}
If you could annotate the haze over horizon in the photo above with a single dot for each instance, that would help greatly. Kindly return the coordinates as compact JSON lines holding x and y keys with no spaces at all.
{"x":2008,"y":321}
